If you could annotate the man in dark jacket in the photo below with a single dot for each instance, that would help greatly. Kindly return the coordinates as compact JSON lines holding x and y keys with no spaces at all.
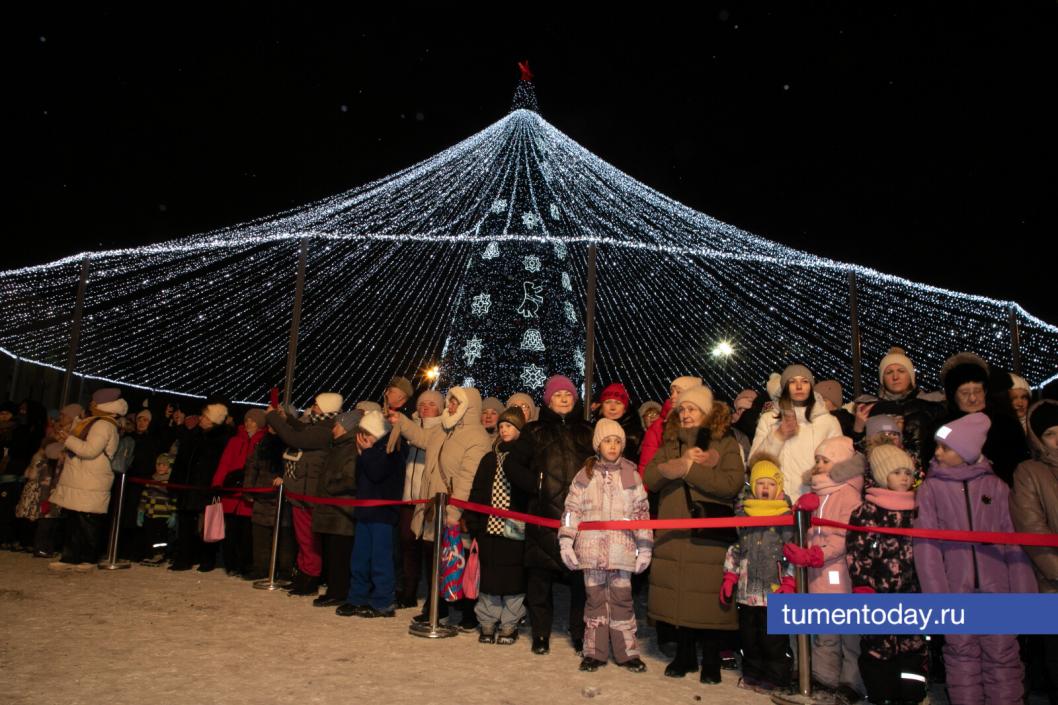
{"x":196,"y":462}
{"x":335,"y":524}
{"x":307,"y":441}
{"x":559,"y":443}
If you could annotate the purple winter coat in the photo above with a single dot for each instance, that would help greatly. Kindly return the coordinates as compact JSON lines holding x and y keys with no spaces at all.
{"x":968,"y":498}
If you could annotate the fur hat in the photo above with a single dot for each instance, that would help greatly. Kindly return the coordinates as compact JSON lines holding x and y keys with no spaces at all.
{"x":557,"y":383}
{"x":1042,"y":417}
{"x":616,"y":391}
{"x":492,"y":403}
{"x":255,"y":415}
{"x":645,"y":407}
{"x":830,"y":389}
{"x":604,"y":429}
{"x":966,"y":435}
{"x":836,"y":448}
{"x":882,"y":423}
{"x":765,"y":468}
{"x":350,"y":420}
{"x":895,"y":356}
{"x":329,"y":402}
{"x":402,"y":384}
{"x":145,"y":412}
{"x":1019,"y":382}
{"x":885,"y":459}
{"x":514,"y":416}
{"x":374,"y":423}
{"x":701,"y":396}
{"x":961,"y":368}
{"x":366,"y":406}
{"x":216,"y":413}
{"x":519,"y":398}
{"x":795,"y":371}
{"x":682,"y":383}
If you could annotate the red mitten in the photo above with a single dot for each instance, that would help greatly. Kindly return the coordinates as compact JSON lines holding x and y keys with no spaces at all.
{"x":864,"y":589}
{"x":727,"y":586}
{"x":45,"y":507}
{"x":788,"y":585}
{"x":805,"y":557}
{"x":808,"y":502}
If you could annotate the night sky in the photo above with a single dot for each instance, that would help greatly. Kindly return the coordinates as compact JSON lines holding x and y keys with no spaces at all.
{"x":918,"y":141}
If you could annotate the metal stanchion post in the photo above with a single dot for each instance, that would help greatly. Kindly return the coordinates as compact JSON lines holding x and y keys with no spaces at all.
{"x":431,"y":629}
{"x":112,"y":562}
{"x":270,"y":583}
{"x":804,"y":695}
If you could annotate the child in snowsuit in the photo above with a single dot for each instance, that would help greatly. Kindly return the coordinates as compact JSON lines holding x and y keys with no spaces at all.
{"x":837,"y":482}
{"x":156,"y":514}
{"x":962,"y":493}
{"x":893,"y":667}
{"x":755,"y":568}
{"x":607,"y":488}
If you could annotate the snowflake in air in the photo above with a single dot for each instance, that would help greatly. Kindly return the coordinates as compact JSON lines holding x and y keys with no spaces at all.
{"x":532,"y":340}
{"x":531,"y":263}
{"x":554,"y":211}
{"x":530,"y":219}
{"x":533,"y":377}
{"x":480,"y":304}
{"x":473,"y":350}
{"x":499,"y":205}
{"x":492,"y":251}
{"x":571,"y":315}
{"x":566,"y":284}
{"x":560,"y":249}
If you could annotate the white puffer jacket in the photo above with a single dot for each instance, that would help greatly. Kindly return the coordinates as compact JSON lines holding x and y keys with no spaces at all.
{"x":798,"y":454}
{"x":84,"y":485}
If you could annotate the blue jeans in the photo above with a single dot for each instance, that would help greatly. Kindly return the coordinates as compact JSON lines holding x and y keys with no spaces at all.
{"x":371,"y":566}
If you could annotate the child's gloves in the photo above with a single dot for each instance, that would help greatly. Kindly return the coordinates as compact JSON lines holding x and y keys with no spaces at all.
{"x":727,"y":586}
{"x":788,"y":585}
{"x":139,"y":518}
{"x":569,"y":556}
{"x":805,"y":557}
{"x":863,"y":589}
{"x":808,"y":502}
{"x":643,"y":560}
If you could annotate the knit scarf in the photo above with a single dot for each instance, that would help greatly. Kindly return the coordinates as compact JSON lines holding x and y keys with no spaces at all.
{"x":891,"y":499}
{"x":765,"y":507}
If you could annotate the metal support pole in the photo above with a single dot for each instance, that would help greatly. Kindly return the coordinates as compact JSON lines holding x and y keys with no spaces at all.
{"x":1015,"y":340}
{"x":431,"y":629}
{"x":112,"y":562}
{"x":295,"y":321}
{"x":75,"y":333}
{"x":589,"y":320}
{"x":857,"y":372}
{"x":270,"y":583}
{"x":12,"y":392}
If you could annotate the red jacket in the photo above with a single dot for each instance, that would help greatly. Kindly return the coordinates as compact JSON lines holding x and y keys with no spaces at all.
{"x":234,"y":458}
{"x":652,"y":438}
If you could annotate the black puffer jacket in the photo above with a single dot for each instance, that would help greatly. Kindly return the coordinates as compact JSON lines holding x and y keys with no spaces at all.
{"x":263,"y":466}
{"x":196,"y":463}
{"x":558,"y":446}
{"x":338,"y":480}
{"x":920,"y":421}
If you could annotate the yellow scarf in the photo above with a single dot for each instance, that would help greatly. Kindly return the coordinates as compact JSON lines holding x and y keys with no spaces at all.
{"x":766,"y":507}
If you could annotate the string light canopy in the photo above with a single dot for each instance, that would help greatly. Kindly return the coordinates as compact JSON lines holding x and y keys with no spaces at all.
{"x":469,"y":268}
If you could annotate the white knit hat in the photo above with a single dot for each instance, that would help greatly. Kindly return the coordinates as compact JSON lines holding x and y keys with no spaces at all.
{"x":329,"y":402}
{"x":375,"y":424}
{"x":1019,"y":382}
{"x":604,"y":429}
{"x":683,"y":383}
{"x":896,"y":356}
{"x":699,"y":395}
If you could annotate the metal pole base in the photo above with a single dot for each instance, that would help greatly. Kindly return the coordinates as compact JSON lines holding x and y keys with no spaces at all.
{"x":116,"y":565}
{"x":426,"y":631}
{"x":799,"y":699}
{"x":270,"y":585}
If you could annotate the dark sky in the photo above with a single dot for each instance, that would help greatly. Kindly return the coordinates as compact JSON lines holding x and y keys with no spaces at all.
{"x":919,"y":140}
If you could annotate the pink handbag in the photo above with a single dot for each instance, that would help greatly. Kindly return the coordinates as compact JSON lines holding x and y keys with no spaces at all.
{"x":213,"y":522}
{"x":472,"y":573}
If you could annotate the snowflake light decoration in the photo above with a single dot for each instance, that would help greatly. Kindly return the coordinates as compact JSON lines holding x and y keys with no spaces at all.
{"x":560,"y":249}
{"x":499,"y":205}
{"x":571,"y":315}
{"x":531,"y":263}
{"x":472,"y":351}
{"x":532,"y":340}
{"x":492,"y":251}
{"x":480,"y":304}
{"x":554,"y":211}
{"x":530,"y":220}
{"x":578,"y":359}
{"x":468,"y":382}
{"x":566,"y":284}
{"x":533,"y":377}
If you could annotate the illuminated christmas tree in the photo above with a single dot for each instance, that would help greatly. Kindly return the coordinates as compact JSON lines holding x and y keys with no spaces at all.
{"x":475,"y":258}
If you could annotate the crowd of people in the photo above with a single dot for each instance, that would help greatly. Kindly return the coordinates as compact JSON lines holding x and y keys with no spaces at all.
{"x":977,"y":455}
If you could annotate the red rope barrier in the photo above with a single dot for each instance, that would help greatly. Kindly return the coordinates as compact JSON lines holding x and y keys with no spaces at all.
{"x":1003,"y":537}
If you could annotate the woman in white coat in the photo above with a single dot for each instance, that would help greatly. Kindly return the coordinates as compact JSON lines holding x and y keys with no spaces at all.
{"x":794,"y":428}
{"x":83,"y":490}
